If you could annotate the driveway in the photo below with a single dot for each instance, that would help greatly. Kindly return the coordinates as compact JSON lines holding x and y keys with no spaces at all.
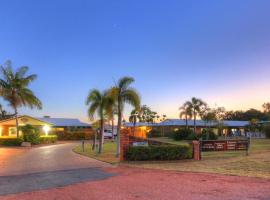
{"x":38,"y":168}
{"x":15,"y":161}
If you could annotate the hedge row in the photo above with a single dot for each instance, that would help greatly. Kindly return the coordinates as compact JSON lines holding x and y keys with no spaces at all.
{"x":11,"y":141}
{"x":48,"y":139}
{"x":162,"y":152}
{"x":74,"y":135}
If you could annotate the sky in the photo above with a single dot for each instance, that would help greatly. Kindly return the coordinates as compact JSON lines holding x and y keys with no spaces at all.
{"x":215,"y":50}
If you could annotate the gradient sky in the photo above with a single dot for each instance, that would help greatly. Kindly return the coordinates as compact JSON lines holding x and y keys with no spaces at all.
{"x":216,"y":50}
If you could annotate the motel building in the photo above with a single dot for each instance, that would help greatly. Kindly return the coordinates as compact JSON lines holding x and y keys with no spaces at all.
{"x":45,"y":124}
{"x":168,"y":126}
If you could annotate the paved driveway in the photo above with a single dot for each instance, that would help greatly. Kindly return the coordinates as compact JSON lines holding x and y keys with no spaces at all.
{"x":30,"y":169}
{"x":46,"y":158}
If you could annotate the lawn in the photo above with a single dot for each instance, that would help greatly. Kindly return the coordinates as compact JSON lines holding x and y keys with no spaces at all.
{"x":257,"y":164}
{"x":108,"y":154}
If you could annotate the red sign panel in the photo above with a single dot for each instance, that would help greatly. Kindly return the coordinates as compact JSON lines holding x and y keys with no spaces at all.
{"x":224,"y":145}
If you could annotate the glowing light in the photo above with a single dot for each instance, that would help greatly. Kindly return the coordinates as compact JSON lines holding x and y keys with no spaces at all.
{"x":46,"y":129}
{"x":0,"y":131}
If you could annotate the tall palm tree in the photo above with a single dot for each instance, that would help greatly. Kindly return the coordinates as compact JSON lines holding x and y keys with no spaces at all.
{"x":186,"y":112}
{"x":123,"y":93}
{"x":195,"y":105}
{"x":99,"y":103}
{"x":14,"y":89}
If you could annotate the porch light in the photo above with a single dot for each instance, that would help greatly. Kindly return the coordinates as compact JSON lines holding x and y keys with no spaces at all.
{"x":46,"y":129}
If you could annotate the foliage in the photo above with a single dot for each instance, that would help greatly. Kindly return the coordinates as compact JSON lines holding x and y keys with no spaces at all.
{"x":266,"y":130}
{"x":186,"y":112}
{"x":162,"y":152}
{"x":208,"y":134}
{"x":75,"y":135}
{"x":183,"y":134}
{"x":122,"y":93}
{"x":11,"y":141}
{"x":99,"y":103}
{"x":154,"y":133}
{"x":30,"y":134}
{"x":15,"y":88}
{"x":246,"y":115}
{"x":47,"y":139}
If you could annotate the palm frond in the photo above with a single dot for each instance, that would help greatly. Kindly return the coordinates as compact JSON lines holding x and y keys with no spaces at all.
{"x":132,"y":97}
{"x":124,"y":82}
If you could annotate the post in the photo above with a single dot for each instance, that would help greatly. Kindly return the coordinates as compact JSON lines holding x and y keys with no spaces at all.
{"x":83,"y":145}
{"x":196,"y":150}
{"x":248,"y":146}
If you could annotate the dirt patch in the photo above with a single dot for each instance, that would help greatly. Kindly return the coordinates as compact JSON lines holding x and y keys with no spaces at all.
{"x":135,"y":183}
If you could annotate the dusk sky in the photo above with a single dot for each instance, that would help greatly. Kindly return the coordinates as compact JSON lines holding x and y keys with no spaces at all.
{"x":216,"y":50}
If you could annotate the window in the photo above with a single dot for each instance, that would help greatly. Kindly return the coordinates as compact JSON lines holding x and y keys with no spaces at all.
{"x":12,"y":131}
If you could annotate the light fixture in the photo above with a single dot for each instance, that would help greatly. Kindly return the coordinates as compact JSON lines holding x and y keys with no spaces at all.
{"x":46,"y":129}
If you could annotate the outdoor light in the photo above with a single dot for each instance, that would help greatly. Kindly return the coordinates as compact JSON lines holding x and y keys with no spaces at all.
{"x":46,"y":129}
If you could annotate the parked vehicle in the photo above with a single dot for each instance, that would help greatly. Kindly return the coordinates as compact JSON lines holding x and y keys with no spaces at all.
{"x":109,"y":134}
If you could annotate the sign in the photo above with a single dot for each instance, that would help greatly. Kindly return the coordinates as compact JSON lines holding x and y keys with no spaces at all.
{"x":137,"y":144}
{"x":225,"y":145}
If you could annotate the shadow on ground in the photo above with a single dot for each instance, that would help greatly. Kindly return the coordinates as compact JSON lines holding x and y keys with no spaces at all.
{"x":45,"y":180}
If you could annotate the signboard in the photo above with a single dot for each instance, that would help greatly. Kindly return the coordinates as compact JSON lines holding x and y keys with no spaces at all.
{"x":224,"y":145}
{"x":136,"y":144}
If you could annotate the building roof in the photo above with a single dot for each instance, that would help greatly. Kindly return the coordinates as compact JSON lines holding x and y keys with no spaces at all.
{"x":64,"y":122}
{"x":199,"y":123}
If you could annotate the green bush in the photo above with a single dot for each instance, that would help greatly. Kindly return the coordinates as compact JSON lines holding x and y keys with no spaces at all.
{"x":162,"y":152}
{"x":47,"y":139}
{"x":266,"y":130}
{"x":208,"y":134}
{"x":74,"y":135}
{"x":154,"y":133}
{"x":11,"y":141}
{"x":183,"y":134}
{"x":30,"y":134}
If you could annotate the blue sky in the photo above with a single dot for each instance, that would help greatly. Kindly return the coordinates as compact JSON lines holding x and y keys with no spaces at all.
{"x":216,"y":50}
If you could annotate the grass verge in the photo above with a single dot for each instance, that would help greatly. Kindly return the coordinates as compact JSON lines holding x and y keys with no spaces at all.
{"x":108,"y":154}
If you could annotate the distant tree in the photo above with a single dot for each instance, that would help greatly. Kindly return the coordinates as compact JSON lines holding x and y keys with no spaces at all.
{"x":266,"y":107}
{"x":123,"y":93}
{"x":186,"y":112}
{"x":14,"y":89}
{"x":196,"y":105}
{"x":246,"y":115}
{"x":4,"y":114}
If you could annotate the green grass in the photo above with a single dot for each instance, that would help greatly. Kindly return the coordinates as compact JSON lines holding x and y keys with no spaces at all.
{"x":108,"y":154}
{"x":170,"y":141}
{"x":257,"y":164}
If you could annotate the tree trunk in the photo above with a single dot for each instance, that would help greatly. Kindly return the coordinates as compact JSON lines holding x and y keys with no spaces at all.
{"x":194,"y":113}
{"x":119,"y":128}
{"x":101,"y":138}
{"x":17,"y":123}
{"x":186,"y":122}
{"x":94,"y":141}
{"x":112,"y":127}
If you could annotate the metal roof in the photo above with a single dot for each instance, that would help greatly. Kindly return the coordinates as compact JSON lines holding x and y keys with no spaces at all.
{"x":181,"y":122}
{"x":64,"y":122}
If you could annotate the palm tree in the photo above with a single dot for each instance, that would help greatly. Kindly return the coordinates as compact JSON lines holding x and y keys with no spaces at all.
{"x":134,"y":115}
{"x":14,"y":89}
{"x":123,"y":93}
{"x":99,"y":103}
{"x":195,"y":105}
{"x":186,"y":112}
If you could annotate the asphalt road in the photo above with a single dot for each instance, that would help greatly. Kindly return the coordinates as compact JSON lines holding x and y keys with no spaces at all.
{"x":38,"y":168}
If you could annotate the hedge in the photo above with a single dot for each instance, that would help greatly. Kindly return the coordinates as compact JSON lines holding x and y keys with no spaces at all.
{"x":162,"y":152}
{"x":11,"y":141}
{"x":48,"y":139}
{"x":74,"y":135}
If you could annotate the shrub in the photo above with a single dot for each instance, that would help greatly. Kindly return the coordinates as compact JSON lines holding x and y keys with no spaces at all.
{"x":47,"y":139}
{"x":183,"y":134}
{"x":74,"y":135}
{"x":266,"y":130}
{"x":162,"y":152}
{"x":11,"y":141}
{"x":30,"y":134}
{"x":208,"y":134}
{"x":154,"y":133}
